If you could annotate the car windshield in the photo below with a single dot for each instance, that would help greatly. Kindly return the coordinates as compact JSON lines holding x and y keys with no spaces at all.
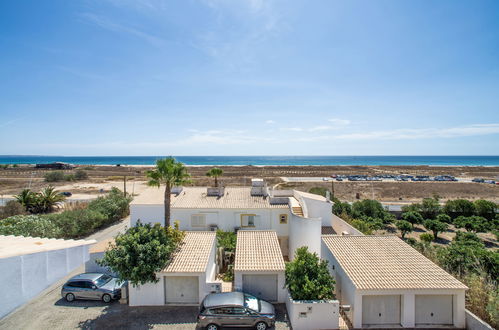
{"x":251,"y":302}
{"x":102,"y":280}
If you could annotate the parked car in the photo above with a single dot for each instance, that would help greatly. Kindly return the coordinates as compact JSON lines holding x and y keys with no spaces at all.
{"x":92,"y":286}
{"x":235,"y":309}
{"x":66,"y":194}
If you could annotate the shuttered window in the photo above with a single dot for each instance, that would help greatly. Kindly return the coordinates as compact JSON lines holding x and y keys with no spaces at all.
{"x":198,"y":220}
{"x":248,"y":220}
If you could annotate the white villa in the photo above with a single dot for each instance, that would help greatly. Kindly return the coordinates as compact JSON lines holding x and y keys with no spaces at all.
{"x":381,"y":282}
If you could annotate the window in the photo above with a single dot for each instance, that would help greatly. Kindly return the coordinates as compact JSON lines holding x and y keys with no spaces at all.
{"x":77,"y":284}
{"x":248,"y":220}
{"x":283,"y":218}
{"x":198,"y":220}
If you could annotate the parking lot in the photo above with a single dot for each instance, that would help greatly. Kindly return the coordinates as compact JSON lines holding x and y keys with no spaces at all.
{"x":50,"y":311}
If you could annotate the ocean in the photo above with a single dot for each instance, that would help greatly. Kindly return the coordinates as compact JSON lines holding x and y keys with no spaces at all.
{"x":262,"y":160}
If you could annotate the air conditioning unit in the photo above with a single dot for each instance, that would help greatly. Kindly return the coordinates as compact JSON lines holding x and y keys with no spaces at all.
{"x":213,"y":227}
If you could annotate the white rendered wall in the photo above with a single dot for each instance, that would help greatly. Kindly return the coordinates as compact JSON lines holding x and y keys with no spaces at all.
{"x":147,"y":213}
{"x":319,"y":209}
{"x":149,"y":294}
{"x":281,"y":282}
{"x":24,"y":277}
{"x":304,"y":315}
{"x":304,"y":232}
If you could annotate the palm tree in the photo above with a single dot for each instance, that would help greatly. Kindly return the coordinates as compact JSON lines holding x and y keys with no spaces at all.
{"x":26,"y":198}
{"x":215,"y":173}
{"x":170,"y":173}
{"x":48,"y":198}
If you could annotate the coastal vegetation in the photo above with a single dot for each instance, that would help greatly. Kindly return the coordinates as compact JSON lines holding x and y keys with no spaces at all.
{"x":58,"y":176}
{"x":226,"y":241}
{"x":39,"y":202}
{"x":72,"y":223}
{"x":170,"y":173}
{"x":308,"y":277}
{"x":142,"y":251}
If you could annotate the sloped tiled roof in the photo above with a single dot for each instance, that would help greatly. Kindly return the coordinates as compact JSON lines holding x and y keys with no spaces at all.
{"x":258,"y":250}
{"x":11,"y":246}
{"x":387,"y":262}
{"x":196,"y":197}
{"x":193,"y":253}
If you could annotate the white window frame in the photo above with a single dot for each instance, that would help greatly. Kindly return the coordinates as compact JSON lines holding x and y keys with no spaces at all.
{"x":245,"y":220}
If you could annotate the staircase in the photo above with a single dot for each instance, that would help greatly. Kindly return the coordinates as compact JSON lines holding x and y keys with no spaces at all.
{"x":298,"y":210}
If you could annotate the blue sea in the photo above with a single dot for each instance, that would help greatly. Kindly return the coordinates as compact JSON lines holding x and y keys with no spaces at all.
{"x":262,"y":160}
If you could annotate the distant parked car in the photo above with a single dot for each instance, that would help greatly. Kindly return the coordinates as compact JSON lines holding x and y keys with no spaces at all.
{"x":66,"y":193}
{"x":479,"y":180}
{"x":92,"y":286}
{"x":339,"y":179}
{"x":235,"y":309}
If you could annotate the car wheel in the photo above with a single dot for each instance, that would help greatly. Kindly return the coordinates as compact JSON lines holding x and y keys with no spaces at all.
{"x":261,"y":326}
{"x":212,"y":327}
{"x":106,"y":298}
{"x":70,"y":297}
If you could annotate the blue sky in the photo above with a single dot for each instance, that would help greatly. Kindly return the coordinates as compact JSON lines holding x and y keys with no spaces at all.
{"x":249,"y":77}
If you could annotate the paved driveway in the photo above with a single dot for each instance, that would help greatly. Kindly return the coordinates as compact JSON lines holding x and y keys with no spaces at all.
{"x":52,"y":312}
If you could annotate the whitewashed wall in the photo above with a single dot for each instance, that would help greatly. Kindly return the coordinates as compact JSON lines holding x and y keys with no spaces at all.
{"x":24,"y":277}
{"x":319,"y":209}
{"x":341,"y":226}
{"x":304,"y":232}
{"x":147,"y":214}
{"x":305,"y":315}
{"x":473,"y":322}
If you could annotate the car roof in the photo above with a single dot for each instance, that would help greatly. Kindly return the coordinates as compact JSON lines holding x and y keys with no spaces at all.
{"x":226,"y":298}
{"x":86,"y":276}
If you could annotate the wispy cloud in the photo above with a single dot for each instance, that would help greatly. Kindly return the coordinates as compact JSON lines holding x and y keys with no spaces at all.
{"x":424,"y":133}
{"x":339,"y":122}
{"x":114,"y":26}
{"x":269,"y":122}
{"x":10,"y":122}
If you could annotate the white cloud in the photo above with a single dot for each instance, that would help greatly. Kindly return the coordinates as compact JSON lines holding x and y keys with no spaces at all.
{"x":269,"y":122}
{"x":339,"y":122}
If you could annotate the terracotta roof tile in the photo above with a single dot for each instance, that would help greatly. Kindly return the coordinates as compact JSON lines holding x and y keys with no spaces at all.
{"x":258,"y":250}
{"x":193,"y":254}
{"x":387,"y":262}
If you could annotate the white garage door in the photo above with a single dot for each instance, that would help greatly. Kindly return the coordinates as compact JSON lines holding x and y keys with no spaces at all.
{"x":261,"y":286}
{"x":182,"y":289}
{"x":380,"y":310}
{"x":434,"y":309}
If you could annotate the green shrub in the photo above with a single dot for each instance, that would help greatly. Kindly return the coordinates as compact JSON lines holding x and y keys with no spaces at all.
{"x":413,"y":217}
{"x":54,"y":176}
{"x":426,"y":238}
{"x":405,"y":227}
{"x":371,"y":209}
{"x":30,"y":225}
{"x":435,"y":226}
{"x":319,"y":191}
{"x":69,"y":177}
{"x":80,"y":175}
{"x":486,"y":209}
{"x":227,"y":240}
{"x":365,"y":227}
{"x":459,"y":207}
{"x":341,"y":208}
{"x":141,"y":252}
{"x":308,"y":278}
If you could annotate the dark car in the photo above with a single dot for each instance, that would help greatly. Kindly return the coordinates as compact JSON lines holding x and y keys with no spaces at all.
{"x":235,"y":309}
{"x":92,"y":286}
{"x":66,"y":194}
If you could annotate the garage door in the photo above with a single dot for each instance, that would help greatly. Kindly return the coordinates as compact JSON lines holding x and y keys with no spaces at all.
{"x":181,"y":289}
{"x":378,"y":310}
{"x":261,"y":286}
{"x":434,"y":309}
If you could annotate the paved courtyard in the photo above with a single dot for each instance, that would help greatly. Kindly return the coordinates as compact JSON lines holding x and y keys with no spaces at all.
{"x":50,"y":311}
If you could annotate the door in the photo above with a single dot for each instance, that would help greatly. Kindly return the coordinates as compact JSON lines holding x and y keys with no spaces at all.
{"x":261,"y":286}
{"x":182,"y":289}
{"x":379,"y":310}
{"x":434,"y":309}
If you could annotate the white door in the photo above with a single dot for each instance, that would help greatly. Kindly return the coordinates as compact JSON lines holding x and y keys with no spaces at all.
{"x":181,"y":289}
{"x":380,"y":310}
{"x":261,"y":286}
{"x":434,"y":309}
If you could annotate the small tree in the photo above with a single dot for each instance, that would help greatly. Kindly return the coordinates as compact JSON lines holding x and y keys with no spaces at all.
{"x":405,"y":227}
{"x":215,"y":173}
{"x":474,"y":223}
{"x":430,"y":208}
{"x":141,"y":252}
{"x":443,"y":218}
{"x":426,"y":238}
{"x":308,"y":278}
{"x":486,"y":209}
{"x":80,"y":175}
{"x":412,"y":217}
{"x":54,"y":176}
{"x":459,"y":207}
{"x":436,"y":227}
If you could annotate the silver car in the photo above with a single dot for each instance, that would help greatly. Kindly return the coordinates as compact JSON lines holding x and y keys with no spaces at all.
{"x":235,"y":309}
{"x":92,"y":286}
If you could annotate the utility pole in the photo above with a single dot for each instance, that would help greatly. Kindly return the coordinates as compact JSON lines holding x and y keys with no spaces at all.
{"x":124,"y":185}
{"x":332,"y":189}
